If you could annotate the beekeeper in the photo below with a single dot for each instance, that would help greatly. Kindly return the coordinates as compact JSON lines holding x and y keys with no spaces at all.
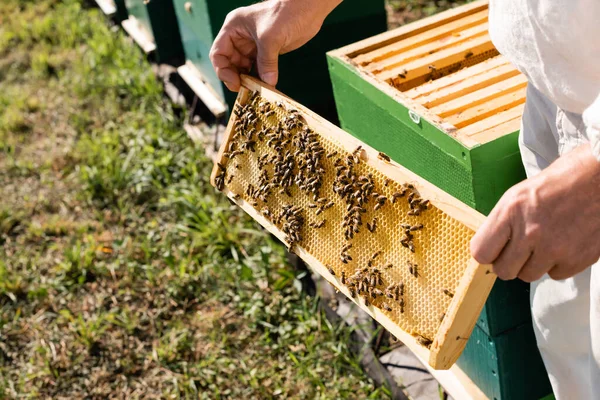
{"x":546,"y":229}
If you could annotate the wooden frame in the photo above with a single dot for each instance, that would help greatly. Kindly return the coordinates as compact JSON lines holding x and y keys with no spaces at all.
{"x":402,"y":61}
{"x":476,"y":282}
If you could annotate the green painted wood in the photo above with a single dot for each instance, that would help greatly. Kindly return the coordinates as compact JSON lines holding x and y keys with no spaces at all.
{"x":303,"y":72}
{"x":476,"y":176}
{"x":158,"y":20}
{"x":503,"y":367}
{"x":501,"y":356}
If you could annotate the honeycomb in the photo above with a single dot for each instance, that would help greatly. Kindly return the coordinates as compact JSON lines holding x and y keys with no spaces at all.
{"x":346,"y":214}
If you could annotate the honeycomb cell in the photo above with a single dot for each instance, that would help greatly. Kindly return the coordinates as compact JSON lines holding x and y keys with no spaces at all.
{"x":313,"y":190}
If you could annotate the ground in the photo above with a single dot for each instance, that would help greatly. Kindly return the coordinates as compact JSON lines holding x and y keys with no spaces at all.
{"x":122,"y":272}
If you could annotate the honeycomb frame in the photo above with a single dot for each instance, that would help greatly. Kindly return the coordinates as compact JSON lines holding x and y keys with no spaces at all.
{"x":412,"y":317}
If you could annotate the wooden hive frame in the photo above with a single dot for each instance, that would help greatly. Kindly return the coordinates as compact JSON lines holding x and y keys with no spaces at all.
{"x":446,"y":69}
{"x":474,"y":285}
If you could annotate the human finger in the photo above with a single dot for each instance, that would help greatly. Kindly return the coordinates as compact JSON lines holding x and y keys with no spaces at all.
{"x":535,"y":267}
{"x":267,"y":61}
{"x":512,"y":259}
{"x":491,"y":238}
{"x":230,"y":77}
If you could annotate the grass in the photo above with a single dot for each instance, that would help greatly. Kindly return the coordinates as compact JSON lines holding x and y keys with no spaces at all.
{"x":122,"y":272}
{"x":401,"y":12}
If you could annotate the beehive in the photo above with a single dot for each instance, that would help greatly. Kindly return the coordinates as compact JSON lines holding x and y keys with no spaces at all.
{"x":303,"y":72}
{"x":153,"y":26}
{"x":388,"y":239}
{"x":437,"y":97}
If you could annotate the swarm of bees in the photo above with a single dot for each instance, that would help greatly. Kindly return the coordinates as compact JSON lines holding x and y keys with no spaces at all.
{"x":296,"y":165}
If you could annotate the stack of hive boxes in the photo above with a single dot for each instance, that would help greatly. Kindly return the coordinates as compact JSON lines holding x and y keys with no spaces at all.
{"x":437,"y":97}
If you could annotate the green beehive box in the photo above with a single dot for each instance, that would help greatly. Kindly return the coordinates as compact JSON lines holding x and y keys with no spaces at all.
{"x":449,"y":110}
{"x":437,"y":97}
{"x":502,"y":367}
{"x":303,"y":73}
{"x":153,"y":25}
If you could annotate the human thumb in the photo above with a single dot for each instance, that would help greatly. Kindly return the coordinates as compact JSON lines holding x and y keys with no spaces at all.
{"x":267,"y":64}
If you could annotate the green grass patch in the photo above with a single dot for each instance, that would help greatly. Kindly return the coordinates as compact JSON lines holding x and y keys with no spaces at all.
{"x":123,"y":272}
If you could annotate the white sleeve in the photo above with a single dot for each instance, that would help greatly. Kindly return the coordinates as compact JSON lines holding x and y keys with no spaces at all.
{"x":591,"y":118}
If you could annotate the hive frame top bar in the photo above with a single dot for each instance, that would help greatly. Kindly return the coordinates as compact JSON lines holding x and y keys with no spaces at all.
{"x":495,"y":104}
{"x":476,"y":282}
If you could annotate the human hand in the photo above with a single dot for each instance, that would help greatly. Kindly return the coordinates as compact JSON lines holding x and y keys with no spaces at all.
{"x":547,"y":224}
{"x":261,"y":32}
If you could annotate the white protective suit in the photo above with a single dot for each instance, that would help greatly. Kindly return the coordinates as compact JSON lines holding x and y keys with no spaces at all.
{"x":556,"y":44}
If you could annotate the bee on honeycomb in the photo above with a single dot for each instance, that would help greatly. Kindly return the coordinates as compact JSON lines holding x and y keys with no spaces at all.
{"x":365,"y":227}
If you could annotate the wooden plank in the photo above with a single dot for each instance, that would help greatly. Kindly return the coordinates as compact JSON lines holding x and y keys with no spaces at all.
{"x":439,"y":60}
{"x":489,"y":108}
{"x":493,"y":121}
{"x":456,"y":77}
{"x":427,"y":49}
{"x":422,"y":38}
{"x":108,"y":7}
{"x":446,"y":348}
{"x":411,"y":29}
{"x":190,"y":74}
{"x":456,"y":383}
{"x":501,"y":130}
{"x":139,"y":35}
{"x":468,"y":85}
{"x":480,"y":96}
{"x":471,"y":294}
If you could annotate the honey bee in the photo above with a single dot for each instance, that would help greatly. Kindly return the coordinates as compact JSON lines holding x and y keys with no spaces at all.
{"x":376,"y":292}
{"x":332,"y":154}
{"x":413,"y":269}
{"x":388,"y":266}
{"x":401,"y":303}
{"x":469,"y":55}
{"x":396,"y":196}
{"x":401,"y":289}
{"x":343,"y":277}
{"x":331,"y":271}
{"x":448,"y":293}
{"x":423,"y":341}
{"x":416,"y":227}
{"x":317,"y":224}
{"x":384,"y":157}
{"x":389,"y":291}
{"x":386,"y":182}
{"x":386,"y":307}
{"x":375,"y":255}
{"x":372,"y":226}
